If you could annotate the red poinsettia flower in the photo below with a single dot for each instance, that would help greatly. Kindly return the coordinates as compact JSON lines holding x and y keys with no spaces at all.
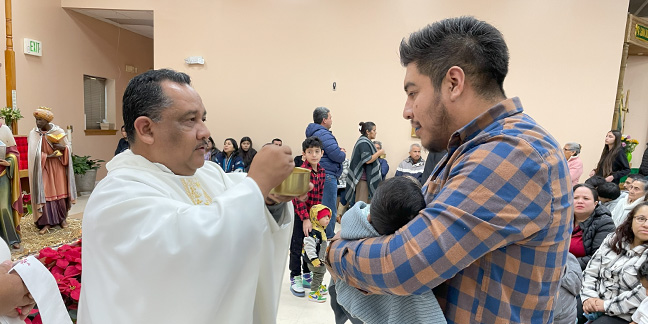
{"x":26,"y":198}
{"x":75,"y":288}
{"x":36,"y":320}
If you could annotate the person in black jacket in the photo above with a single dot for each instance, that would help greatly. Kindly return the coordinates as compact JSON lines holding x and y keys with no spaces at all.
{"x":592,"y":223}
{"x":123,"y":144}
{"x":643,"y":168}
{"x":613,"y":164}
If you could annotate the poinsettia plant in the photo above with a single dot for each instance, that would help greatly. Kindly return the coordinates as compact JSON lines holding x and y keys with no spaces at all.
{"x":27,"y":201}
{"x":64,"y":263}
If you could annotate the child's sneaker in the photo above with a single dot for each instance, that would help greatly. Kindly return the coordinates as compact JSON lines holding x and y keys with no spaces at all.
{"x":315,"y":296}
{"x":296,"y":287}
{"x":306,"y":280}
{"x":323,"y":290}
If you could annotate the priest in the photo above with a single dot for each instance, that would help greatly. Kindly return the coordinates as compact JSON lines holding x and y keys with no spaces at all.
{"x":170,"y":238}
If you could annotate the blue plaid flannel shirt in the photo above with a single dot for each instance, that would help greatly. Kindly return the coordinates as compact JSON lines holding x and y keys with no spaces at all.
{"x":494,"y":236}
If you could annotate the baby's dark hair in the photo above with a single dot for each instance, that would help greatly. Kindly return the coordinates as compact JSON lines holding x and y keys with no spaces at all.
{"x":609,"y":190}
{"x":311,"y":142}
{"x":595,"y":181}
{"x":643,"y":271}
{"x":396,"y":202}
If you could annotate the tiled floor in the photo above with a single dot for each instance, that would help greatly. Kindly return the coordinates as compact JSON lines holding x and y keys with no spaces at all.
{"x":292,"y":310}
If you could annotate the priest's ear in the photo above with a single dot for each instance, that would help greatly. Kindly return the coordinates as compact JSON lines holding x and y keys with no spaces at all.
{"x":144,"y":130}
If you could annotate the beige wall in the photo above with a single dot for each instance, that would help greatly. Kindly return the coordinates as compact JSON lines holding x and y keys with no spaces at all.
{"x":636,"y":80}
{"x":270,"y":63}
{"x":73,"y":45}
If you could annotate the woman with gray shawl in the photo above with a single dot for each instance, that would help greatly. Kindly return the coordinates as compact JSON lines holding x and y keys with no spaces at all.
{"x":364,"y":170}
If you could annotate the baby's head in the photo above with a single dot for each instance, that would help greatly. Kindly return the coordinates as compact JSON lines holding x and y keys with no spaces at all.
{"x":396,"y":201}
{"x":608,"y":191}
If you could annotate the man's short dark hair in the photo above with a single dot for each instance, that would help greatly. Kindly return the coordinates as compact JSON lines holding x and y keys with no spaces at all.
{"x":276,"y":140}
{"x":608,"y":190}
{"x":319,"y":114}
{"x":396,"y":201}
{"x":635,"y":176}
{"x":144,"y":97}
{"x":595,"y":181}
{"x":475,"y":46}
{"x":311,"y":142}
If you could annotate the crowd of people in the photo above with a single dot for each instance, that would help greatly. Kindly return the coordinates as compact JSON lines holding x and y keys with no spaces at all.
{"x":498,"y":229}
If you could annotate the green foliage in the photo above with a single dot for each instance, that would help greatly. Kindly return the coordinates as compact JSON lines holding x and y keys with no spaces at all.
{"x":81,"y":164}
{"x":10,"y":114}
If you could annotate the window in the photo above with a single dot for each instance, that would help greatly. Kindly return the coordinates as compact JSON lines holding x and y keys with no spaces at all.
{"x":94,"y":101}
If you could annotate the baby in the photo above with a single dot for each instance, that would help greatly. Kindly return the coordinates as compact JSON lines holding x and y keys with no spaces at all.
{"x":396,"y":202}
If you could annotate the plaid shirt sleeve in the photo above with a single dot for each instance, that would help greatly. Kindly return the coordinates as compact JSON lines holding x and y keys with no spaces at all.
{"x":314,"y":196}
{"x":497,"y":194}
{"x":300,"y":209}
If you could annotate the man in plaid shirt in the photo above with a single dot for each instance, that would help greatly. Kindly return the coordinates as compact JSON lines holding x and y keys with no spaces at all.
{"x":312,"y":152}
{"x":494,"y":236}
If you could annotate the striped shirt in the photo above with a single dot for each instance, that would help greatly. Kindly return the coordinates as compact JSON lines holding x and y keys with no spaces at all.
{"x":495,"y":233}
{"x":314,"y":196}
{"x":613,"y":278}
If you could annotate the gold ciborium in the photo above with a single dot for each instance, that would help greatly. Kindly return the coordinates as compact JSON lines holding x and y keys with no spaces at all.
{"x":295,"y":185}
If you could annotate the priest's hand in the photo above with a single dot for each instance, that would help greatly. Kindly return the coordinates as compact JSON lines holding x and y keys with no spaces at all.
{"x":4,"y":162}
{"x":271,"y":165}
{"x":13,"y":293}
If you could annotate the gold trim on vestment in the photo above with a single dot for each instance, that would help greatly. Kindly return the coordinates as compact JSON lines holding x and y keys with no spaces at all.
{"x":196,"y":193}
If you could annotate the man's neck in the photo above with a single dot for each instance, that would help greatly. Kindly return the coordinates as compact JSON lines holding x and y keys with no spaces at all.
{"x":415,"y":161}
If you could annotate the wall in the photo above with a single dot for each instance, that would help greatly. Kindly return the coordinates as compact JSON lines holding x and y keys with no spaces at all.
{"x":73,"y":45}
{"x":636,"y":80}
{"x":270,"y":63}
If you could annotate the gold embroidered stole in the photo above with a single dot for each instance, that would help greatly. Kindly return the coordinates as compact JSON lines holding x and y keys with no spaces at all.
{"x":195,"y":192}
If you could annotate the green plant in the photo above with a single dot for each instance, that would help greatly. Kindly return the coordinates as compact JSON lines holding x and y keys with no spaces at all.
{"x":10,"y":114}
{"x":81,"y":164}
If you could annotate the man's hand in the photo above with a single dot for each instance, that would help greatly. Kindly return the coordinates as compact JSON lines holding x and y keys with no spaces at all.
{"x":609,"y":178}
{"x":270,"y":167}
{"x":307,"y":226}
{"x":591,"y":174}
{"x":342,"y":149}
{"x":4,"y":162}
{"x":13,"y":293}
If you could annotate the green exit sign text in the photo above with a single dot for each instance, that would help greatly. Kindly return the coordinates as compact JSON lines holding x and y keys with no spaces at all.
{"x":33,"y":47}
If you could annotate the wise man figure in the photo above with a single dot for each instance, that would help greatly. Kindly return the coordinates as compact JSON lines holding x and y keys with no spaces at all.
{"x":11,"y":205}
{"x":50,"y":169}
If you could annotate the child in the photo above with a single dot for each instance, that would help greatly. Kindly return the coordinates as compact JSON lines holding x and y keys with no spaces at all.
{"x":640,"y":316}
{"x":396,"y":202}
{"x":314,"y":250}
{"x":312,"y":152}
{"x":609,"y":194}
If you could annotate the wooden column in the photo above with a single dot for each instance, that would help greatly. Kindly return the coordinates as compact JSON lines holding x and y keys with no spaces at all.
{"x":10,"y":64}
{"x":619,"y":96}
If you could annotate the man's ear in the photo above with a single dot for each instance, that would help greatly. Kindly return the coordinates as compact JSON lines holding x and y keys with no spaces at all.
{"x":455,"y":81}
{"x":144,"y":129}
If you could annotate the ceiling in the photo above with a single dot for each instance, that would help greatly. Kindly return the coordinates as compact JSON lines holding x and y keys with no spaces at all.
{"x":137,"y":21}
{"x":638,"y":8}
{"x":141,"y":21}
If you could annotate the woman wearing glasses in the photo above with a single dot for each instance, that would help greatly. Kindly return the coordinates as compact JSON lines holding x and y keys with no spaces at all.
{"x":611,"y":289}
{"x":572,"y":153}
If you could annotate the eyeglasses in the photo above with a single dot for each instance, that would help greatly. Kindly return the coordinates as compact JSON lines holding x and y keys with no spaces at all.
{"x":640,"y":220}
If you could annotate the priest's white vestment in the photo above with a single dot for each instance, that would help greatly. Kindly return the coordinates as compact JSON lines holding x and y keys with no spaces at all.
{"x":164,"y":248}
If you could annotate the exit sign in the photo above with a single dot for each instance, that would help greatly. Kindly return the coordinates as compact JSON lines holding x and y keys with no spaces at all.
{"x":33,"y":47}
